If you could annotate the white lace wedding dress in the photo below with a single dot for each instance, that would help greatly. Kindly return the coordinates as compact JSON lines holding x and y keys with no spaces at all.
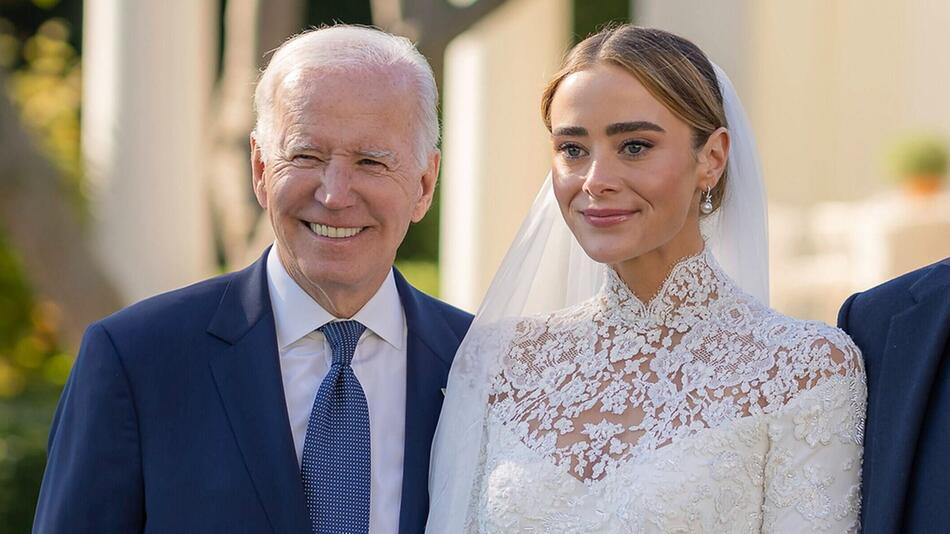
{"x":700,"y":411}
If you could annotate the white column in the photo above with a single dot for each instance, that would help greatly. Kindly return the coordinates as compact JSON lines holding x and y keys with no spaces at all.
{"x":496,"y":149}
{"x":148,"y":69}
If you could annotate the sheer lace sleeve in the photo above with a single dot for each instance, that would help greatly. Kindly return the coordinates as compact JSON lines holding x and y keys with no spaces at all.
{"x":813,"y":466}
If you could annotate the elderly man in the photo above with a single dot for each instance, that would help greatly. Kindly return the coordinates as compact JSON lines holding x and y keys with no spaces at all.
{"x":299,"y":394}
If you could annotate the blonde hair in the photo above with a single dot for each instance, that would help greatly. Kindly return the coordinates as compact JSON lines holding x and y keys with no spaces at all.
{"x":674,"y":70}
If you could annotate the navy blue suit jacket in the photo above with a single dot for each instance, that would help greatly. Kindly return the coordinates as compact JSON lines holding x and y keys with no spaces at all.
{"x":174,"y":418}
{"x":903,"y":328}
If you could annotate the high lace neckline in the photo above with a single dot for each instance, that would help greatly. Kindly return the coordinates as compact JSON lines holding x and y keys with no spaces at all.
{"x":691,"y":283}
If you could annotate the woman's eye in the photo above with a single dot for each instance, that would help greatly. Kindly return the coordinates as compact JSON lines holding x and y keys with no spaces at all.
{"x":634,"y":148}
{"x":572,"y":151}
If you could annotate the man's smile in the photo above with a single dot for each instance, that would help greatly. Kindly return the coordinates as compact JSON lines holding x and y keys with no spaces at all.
{"x":334,"y":232}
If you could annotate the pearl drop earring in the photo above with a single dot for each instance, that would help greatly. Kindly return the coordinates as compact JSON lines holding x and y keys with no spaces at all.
{"x":707,"y":206}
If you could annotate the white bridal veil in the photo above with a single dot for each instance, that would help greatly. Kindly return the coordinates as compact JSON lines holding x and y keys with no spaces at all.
{"x":545,"y":270}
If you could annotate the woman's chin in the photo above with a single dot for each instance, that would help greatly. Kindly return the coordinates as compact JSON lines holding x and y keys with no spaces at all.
{"x":608,"y":255}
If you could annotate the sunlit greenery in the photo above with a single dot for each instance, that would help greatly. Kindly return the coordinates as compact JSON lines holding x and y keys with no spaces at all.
{"x":32,"y":371}
{"x":43,"y":81}
{"x":590,"y":16}
{"x":29,"y":353}
{"x":422,"y":274}
{"x":46,"y":88}
{"x":920,"y":154}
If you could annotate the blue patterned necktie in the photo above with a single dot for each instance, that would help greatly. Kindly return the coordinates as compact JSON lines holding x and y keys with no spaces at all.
{"x":335,"y":465}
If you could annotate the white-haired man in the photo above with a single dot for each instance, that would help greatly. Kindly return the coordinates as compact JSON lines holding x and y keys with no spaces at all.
{"x":299,"y":394}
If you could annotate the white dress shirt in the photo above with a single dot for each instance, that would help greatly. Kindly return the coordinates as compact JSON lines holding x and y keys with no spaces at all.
{"x":379,"y":363}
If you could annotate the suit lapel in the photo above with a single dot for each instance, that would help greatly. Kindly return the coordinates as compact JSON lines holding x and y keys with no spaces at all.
{"x":248,"y":378}
{"x":916,"y":342}
{"x":431,"y":345}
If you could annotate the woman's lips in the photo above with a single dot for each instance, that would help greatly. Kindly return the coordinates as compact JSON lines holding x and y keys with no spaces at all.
{"x":602,"y":218}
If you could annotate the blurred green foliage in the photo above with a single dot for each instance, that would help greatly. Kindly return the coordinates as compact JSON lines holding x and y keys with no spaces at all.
{"x":46,"y":88}
{"x":590,"y":16}
{"x":30,"y":359}
{"x":33,"y":369}
{"x":422,"y":240}
{"x":44,"y":83}
{"x":917,"y":155}
{"x":422,"y":274}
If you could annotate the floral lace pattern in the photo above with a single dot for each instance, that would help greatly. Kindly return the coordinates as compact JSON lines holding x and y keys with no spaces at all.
{"x":701,"y":410}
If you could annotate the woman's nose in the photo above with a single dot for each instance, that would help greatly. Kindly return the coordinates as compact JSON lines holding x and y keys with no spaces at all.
{"x":600,"y":180}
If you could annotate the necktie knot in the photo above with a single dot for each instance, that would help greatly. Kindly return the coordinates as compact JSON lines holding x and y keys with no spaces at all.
{"x":343,"y":336}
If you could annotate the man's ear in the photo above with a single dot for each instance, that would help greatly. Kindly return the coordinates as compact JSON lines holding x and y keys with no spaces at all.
{"x":257,"y":172}
{"x":713,"y":158}
{"x":429,"y":178}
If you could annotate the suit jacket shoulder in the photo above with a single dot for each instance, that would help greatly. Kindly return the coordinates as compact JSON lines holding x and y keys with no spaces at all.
{"x":866,"y":315}
{"x":459,"y":320}
{"x":164,"y":310}
{"x":168,"y":323}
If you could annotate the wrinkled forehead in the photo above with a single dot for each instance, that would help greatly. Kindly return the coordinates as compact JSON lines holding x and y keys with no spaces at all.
{"x":347,"y":107}
{"x":382,"y":85}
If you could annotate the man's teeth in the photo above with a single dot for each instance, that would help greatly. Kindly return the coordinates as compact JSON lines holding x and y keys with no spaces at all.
{"x":334,"y":232}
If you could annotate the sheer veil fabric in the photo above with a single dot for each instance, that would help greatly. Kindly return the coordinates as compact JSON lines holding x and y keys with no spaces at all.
{"x":544,"y":271}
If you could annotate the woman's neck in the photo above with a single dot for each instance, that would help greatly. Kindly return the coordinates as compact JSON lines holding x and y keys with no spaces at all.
{"x":645,"y":274}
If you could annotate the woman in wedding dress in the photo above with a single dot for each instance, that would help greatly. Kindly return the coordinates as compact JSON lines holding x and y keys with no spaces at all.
{"x":625,"y":373}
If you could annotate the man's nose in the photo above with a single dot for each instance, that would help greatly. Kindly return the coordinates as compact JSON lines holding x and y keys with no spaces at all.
{"x":601,"y":178}
{"x":335,"y":190}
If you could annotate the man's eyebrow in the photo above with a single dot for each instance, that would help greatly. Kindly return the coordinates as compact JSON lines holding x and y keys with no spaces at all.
{"x":635,"y":126}
{"x":376,"y":154}
{"x":302,"y":146}
{"x":571,"y":131}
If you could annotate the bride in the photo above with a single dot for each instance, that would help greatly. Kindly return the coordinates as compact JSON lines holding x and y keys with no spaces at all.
{"x":625,"y":373}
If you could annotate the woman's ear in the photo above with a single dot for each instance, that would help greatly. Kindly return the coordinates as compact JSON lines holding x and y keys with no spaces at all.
{"x":713,"y":158}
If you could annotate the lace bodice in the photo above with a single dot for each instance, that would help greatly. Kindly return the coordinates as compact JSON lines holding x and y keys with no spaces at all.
{"x":701,"y":410}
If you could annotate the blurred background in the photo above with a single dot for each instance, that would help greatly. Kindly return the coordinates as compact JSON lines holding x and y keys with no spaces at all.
{"x":124,"y":155}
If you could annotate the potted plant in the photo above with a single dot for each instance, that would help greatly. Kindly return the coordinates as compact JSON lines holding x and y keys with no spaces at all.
{"x":920,"y":164}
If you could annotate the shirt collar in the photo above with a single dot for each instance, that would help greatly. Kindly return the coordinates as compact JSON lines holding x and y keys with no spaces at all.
{"x":296,"y":314}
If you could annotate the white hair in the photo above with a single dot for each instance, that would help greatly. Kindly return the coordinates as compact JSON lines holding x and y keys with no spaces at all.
{"x":347,"y":46}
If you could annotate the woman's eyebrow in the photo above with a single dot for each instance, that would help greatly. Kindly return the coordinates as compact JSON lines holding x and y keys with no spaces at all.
{"x":635,"y":126}
{"x":571,"y":131}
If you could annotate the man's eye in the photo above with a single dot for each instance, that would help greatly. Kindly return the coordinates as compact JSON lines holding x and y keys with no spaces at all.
{"x":371,"y":162}
{"x":308,"y":158}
